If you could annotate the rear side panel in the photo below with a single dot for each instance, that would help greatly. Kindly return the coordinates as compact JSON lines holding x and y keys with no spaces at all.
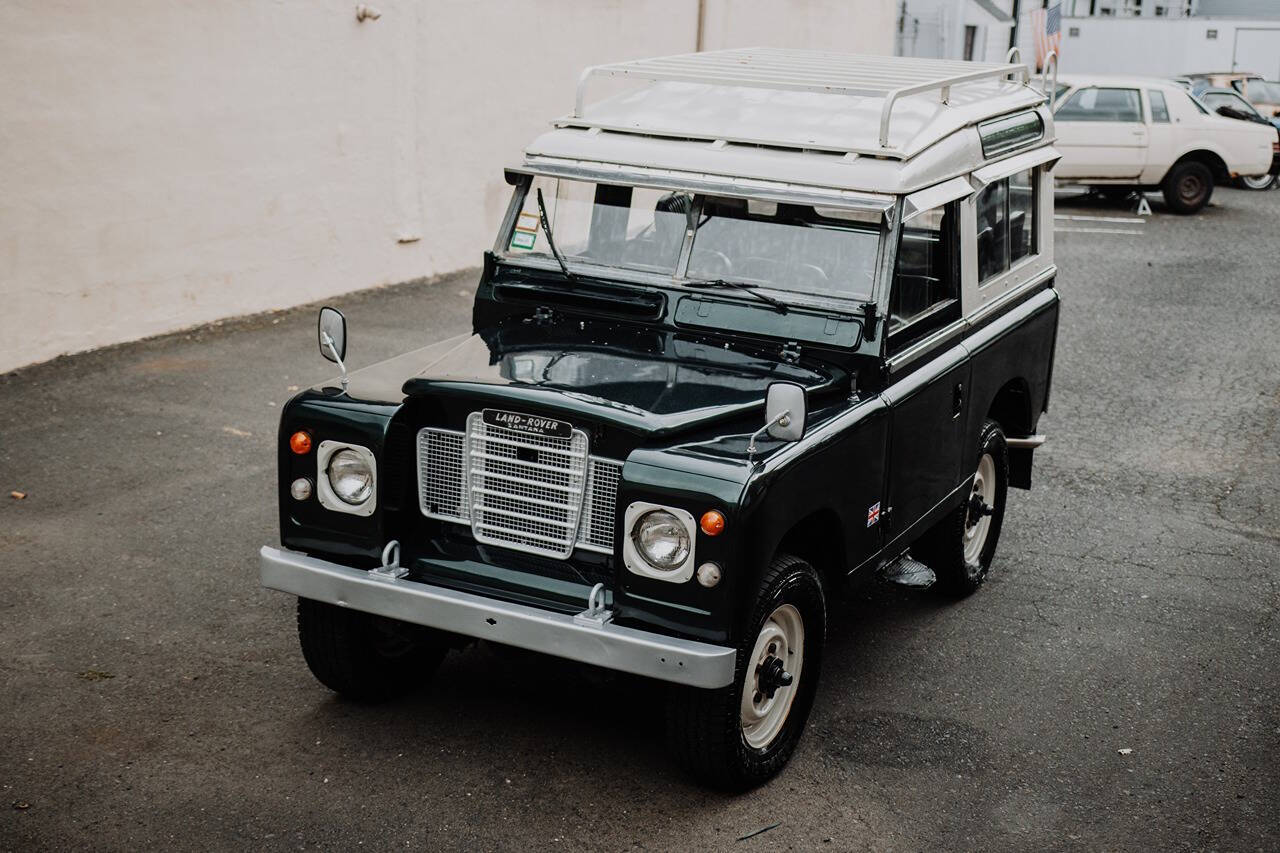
{"x":1013,"y":353}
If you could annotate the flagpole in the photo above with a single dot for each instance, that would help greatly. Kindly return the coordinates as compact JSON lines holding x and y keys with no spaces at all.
{"x":1013,"y":33}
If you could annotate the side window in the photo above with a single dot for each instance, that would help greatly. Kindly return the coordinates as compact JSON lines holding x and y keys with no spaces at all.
{"x":1095,"y":104}
{"x":1159,"y":109}
{"x":1006,"y":220}
{"x":925,"y":280}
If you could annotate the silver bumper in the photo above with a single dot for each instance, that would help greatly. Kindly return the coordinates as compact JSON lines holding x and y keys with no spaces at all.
{"x":608,"y":645}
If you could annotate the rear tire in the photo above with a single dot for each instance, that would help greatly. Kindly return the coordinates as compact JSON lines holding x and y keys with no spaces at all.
{"x":365,"y":657}
{"x":960,"y":548}
{"x":733,"y":739}
{"x":1188,"y":187}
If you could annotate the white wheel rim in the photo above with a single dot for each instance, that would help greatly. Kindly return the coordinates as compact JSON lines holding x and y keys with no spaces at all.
{"x":977,"y":528}
{"x":781,"y":637}
{"x":1260,"y":182}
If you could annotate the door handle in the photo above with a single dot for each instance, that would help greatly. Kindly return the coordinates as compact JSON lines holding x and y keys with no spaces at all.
{"x":957,"y":400}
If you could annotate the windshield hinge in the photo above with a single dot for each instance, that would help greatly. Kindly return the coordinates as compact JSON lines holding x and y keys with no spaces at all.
{"x":791,"y":352}
{"x":869,"y":321}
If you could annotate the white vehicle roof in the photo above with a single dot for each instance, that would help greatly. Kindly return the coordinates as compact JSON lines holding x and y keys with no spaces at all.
{"x":1134,"y":81}
{"x":847,"y":123}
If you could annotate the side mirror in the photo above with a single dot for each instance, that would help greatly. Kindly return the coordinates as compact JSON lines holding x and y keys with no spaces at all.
{"x":784,"y":414}
{"x":784,"y":411}
{"x":331,"y":329}
{"x":332,"y":332}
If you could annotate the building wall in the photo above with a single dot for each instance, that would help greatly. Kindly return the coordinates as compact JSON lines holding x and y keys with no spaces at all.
{"x":1164,"y":47}
{"x":165,"y":164}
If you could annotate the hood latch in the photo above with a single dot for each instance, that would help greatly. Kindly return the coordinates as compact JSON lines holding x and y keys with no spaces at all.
{"x":791,"y":352}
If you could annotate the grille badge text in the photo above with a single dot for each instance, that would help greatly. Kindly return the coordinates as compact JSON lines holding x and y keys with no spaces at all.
{"x":530,"y":424}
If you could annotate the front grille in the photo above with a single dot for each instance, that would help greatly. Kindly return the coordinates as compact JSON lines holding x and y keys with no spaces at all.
{"x":538,"y":494}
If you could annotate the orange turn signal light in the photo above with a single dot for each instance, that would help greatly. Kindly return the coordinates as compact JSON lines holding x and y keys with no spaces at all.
{"x":300,"y":442}
{"x":712,"y":523}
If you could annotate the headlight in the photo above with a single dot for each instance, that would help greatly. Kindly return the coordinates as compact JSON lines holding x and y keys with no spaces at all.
{"x":350,"y":477}
{"x":661,"y":539}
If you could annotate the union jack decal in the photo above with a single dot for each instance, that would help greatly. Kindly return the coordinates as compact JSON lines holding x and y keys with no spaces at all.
{"x":873,"y":514}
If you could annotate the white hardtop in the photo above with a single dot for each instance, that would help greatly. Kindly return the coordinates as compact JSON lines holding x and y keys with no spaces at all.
{"x":844,"y":122}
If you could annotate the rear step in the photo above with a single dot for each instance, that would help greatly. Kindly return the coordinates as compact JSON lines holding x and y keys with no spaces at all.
{"x":908,"y":572}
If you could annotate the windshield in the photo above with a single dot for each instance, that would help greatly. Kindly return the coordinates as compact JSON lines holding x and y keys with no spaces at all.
{"x":1263,"y":91}
{"x":630,"y":227}
{"x":1213,"y":100}
{"x":792,"y":248}
{"x":787,"y":247}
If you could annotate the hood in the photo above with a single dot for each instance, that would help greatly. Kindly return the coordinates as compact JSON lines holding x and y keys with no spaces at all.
{"x":641,"y":379}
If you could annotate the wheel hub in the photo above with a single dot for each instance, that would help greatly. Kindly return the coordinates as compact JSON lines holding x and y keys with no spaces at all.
{"x":771,"y":675}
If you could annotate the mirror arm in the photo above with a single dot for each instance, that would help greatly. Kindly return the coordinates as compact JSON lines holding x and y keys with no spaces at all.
{"x":328,"y":341}
{"x":784,"y":419}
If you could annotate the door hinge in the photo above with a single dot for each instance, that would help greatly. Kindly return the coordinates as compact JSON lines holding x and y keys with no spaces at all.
{"x":791,"y":352}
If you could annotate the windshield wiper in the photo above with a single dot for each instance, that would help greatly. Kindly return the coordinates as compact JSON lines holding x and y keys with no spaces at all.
{"x":726,"y":284}
{"x":551,"y":241}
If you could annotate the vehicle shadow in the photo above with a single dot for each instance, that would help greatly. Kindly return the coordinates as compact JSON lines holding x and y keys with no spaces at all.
{"x":526,"y":715}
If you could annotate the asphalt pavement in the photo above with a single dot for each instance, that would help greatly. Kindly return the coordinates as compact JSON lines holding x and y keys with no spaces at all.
{"x":1113,"y":686}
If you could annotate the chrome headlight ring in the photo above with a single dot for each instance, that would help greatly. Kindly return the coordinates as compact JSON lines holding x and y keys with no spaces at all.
{"x":658,"y":541}
{"x":346,"y":478}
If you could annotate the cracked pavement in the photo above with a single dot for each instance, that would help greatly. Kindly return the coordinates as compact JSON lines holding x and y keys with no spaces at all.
{"x":151,"y":694}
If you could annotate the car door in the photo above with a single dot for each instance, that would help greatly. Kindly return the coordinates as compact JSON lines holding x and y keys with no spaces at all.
{"x":928,"y":371}
{"x":1101,"y":134}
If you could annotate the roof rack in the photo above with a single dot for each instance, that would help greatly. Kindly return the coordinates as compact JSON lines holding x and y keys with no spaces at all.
{"x":887,"y":77}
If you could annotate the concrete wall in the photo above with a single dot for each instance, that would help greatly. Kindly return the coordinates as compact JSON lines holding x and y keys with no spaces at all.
{"x":165,"y":163}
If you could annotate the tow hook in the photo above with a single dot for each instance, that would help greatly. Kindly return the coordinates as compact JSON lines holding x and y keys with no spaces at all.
{"x":390,"y":569}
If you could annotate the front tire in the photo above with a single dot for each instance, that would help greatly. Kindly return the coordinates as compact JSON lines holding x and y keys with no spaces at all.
{"x":1257,"y":182}
{"x":960,"y":548}
{"x":740,"y":736}
{"x":365,"y":657}
{"x":1188,"y":187}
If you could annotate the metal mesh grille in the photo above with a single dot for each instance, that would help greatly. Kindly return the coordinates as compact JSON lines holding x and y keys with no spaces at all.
{"x":526,"y":491}
{"x":441,"y":475}
{"x":545,"y":499}
{"x":598,"y":511}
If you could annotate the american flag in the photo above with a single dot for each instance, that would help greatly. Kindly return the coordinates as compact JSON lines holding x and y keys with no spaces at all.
{"x":1046,"y":25}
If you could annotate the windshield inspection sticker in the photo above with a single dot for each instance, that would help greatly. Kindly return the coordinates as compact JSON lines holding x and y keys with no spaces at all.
{"x":526,"y":233}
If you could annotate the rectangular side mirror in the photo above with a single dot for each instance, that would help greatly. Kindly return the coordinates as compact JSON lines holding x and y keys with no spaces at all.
{"x":332,"y":334}
{"x":785,"y":411}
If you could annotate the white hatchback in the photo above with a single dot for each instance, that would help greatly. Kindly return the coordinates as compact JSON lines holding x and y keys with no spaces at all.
{"x":1121,"y":133}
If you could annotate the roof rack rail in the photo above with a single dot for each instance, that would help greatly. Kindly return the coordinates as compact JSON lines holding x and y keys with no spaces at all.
{"x":887,"y":77}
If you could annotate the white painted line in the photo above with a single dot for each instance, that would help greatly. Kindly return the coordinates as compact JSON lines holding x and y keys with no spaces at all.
{"x":1076,"y":218}
{"x":1101,"y":230}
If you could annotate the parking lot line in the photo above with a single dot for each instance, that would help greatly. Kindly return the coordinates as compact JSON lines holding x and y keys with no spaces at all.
{"x":1099,"y":230}
{"x":1083,"y":218}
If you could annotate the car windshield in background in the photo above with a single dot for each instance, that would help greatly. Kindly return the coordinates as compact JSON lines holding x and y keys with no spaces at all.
{"x":794,"y":248}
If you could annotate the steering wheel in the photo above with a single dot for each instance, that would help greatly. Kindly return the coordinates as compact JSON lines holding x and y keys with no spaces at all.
{"x":714,"y":264}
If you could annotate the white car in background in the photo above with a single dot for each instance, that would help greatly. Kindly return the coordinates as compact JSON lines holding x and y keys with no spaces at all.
{"x":1122,"y":133}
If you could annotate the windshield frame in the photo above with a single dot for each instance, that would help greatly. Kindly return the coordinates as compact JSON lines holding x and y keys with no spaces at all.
{"x":880,"y":207}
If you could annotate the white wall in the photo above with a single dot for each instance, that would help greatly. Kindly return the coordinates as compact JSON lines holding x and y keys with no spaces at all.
{"x":1164,"y":47}
{"x":165,"y":163}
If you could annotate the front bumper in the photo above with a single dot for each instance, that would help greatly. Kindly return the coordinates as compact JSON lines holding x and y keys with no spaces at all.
{"x":610,"y":646}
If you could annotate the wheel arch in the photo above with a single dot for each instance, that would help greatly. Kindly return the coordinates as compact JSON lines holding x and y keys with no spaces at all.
{"x":1012,"y":409}
{"x":1214,"y":160}
{"x":818,"y":539}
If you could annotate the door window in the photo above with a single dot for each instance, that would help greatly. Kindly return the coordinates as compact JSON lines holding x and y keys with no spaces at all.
{"x":1159,"y":109}
{"x":925,"y":285}
{"x":1098,"y":104}
{"x":1006,"y":221}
